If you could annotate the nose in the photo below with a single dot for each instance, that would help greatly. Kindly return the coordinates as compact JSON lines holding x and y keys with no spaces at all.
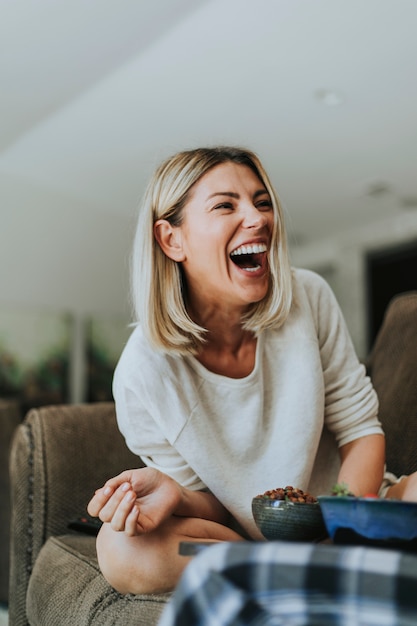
{"x":253,"y":217}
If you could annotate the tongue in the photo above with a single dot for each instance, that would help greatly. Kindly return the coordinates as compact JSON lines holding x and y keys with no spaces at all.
{"x":248,"y":260}
{"x":257,"y":258}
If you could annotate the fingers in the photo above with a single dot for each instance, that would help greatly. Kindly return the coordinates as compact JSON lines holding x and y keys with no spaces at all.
{"x":131,"y":522}
{"x":99,"y":500}
{"x":116,"y":507}
{"x":102,"y":495}
{"x":121,"y":512}
{"x":135,"y":501}
{"x":106,"y":495}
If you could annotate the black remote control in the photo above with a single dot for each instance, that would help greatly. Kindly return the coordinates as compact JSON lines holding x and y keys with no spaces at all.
{"x":191,"y":548}
{"x":86,"y":524}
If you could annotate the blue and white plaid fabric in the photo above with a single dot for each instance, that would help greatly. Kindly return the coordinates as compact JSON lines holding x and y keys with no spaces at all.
{"x":295,"y":584}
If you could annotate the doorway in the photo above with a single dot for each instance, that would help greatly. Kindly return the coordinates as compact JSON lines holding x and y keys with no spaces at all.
{"x":389,"y":271}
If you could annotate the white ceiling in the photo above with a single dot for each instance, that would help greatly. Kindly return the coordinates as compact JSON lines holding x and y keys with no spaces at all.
{"x":94,"y":93}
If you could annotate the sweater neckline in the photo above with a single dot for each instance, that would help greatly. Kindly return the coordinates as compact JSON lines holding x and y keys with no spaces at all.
{"x":220,"y":378}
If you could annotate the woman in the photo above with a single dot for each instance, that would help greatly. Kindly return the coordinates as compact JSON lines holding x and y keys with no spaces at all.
{"x":239,"y":377}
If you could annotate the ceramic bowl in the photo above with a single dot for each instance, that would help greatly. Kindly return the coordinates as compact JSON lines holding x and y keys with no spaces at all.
{"x":288,"y":521}
{"x":369,"y":520}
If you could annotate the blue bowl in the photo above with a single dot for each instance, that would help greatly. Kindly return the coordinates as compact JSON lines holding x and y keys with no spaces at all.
{"x":373,"y":519}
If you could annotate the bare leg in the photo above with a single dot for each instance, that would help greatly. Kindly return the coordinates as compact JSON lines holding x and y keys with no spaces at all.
{"x":406,"y":489}
{"x":150,"y":563}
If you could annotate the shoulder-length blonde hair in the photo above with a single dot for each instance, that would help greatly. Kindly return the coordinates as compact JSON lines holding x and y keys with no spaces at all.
{"x":157,"y":283}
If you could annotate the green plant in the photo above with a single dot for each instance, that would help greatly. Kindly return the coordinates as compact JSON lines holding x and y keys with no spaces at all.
{"x":341,"y":490}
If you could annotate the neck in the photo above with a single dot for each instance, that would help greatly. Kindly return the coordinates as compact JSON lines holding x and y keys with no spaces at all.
{"x":229,"y":350}
{"x":224,"y":326}
{"x":229,"y":354}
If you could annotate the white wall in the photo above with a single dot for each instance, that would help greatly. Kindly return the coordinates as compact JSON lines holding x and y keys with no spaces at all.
{"x":57,"y":255}
{"x":341,"y":260}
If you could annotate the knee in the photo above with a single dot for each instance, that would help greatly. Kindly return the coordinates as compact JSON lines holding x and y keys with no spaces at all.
{"x":108,"y":556}
{"x":139,"y":565}
{"x":151,"y":563}
{"x":116,"y":560}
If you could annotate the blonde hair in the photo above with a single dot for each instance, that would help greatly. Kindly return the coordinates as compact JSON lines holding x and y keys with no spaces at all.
{"x":157,"y":282}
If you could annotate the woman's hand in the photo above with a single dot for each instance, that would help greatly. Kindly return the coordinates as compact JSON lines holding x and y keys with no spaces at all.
{"x":136,"y":501}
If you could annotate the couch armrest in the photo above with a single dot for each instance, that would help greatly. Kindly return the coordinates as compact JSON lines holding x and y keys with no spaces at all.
{"x":10,"y":418}
{"x":59,"y":456}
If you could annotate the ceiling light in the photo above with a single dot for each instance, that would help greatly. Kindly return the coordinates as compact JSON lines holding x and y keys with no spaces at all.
{"x":377,"y":189}
{"x":328,"y":97}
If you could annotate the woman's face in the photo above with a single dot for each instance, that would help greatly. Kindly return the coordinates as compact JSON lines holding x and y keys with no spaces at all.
{"x":225,"y":237}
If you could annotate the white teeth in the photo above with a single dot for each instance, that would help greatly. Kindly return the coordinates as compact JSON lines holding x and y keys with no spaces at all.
{"x":249,"y":249}
{"x":251,"y":269}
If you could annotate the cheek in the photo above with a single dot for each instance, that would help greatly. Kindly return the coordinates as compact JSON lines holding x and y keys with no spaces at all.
{"x":206,"y":244}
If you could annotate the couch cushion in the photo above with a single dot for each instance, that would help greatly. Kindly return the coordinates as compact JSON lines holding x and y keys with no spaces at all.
{"x":67,"y":588}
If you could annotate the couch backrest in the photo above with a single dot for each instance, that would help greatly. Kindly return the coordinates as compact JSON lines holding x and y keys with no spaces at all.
{"x":393,"y":369}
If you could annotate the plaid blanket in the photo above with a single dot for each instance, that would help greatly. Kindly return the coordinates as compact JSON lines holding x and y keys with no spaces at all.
{"x":295,"y":584}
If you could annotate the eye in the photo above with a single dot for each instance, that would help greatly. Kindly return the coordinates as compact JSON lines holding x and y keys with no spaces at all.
{"x":224,"y":205}
{"x":264,"y":205}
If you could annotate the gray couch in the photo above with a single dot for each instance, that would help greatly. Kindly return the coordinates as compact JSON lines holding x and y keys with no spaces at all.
{"x":61,"y":454}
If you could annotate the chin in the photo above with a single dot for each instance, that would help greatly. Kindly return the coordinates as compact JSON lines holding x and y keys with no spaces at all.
{"x":260,"y":291}
{"x":256,"y":298}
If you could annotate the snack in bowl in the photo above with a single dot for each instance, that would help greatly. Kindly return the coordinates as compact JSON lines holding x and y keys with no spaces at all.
{"x":288,"y":513}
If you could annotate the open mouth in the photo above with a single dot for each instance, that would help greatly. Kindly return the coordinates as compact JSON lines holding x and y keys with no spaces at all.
{"x":249,"y":257}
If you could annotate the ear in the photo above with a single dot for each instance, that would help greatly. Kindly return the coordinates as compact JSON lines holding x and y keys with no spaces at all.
{"x":169,"y":240}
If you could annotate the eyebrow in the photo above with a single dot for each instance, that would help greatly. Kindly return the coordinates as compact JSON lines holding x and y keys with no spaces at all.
{"x":232,"y":194}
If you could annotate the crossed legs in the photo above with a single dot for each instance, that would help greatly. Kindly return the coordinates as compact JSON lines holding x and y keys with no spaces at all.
{"x":151,"y":563}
